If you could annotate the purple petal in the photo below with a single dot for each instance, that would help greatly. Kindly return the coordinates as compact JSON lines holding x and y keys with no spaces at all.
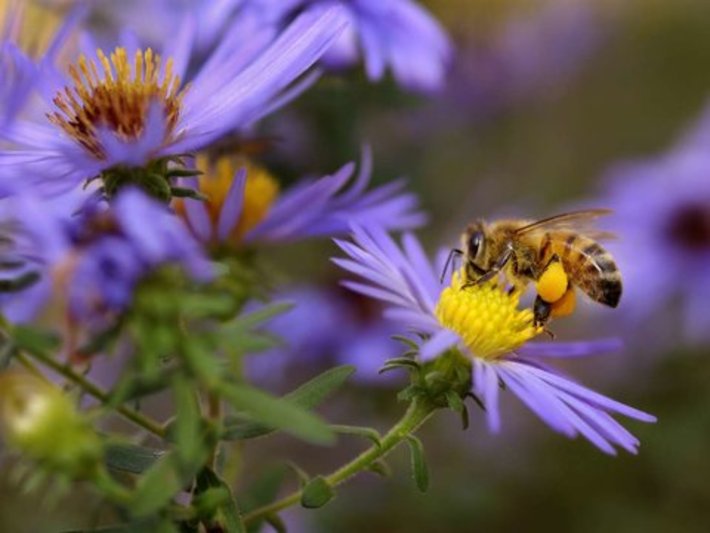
{"x":232,"y":207}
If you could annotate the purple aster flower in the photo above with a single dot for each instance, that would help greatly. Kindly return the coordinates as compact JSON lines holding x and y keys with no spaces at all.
{"x":396,"y":34}
{"x":483,"y":322}
{"x":662,"y":208}
{"x":244,"y":207}
{"x":122,"y":111}
{"x":210,"y":17}
{"x":94,"y":259}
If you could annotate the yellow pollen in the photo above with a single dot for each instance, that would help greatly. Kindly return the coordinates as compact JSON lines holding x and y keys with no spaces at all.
{"x":486,"y":317}
{"x":553,"y":283}
{"x":260,"y":191}
{"x":118,"y":98}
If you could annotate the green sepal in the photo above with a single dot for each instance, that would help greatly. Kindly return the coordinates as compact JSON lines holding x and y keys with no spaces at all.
{"x":183,"y":173}
{"x":454,"y":401}
{"x":184,"y":192}
{"x":316,"y":493}
{"x":19,"y":283}
{"x":407,"y":342}
{"x":307,"y":396}
{"x":400,"y":362}
{"x":420,"y":471}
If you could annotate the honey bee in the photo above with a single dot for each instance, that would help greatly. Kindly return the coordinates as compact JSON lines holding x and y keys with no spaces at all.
{"x":524,"y":251}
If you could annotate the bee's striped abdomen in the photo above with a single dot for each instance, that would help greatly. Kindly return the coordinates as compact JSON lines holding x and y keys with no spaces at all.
{"x":589,"y":266}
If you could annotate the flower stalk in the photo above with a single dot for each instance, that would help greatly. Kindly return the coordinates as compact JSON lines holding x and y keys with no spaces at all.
{"x":419,"y":411}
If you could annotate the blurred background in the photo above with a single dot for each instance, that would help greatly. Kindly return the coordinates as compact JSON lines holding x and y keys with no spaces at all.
{"x":549,"y":105}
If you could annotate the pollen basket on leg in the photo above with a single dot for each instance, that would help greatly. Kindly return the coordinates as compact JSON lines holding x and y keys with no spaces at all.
{"x":486,"y":317}
{"x":116,"y":95}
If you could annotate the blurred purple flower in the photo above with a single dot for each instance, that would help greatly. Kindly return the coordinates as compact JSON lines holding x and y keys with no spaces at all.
{"x":20,"y":70}
{"x":326,"y":206}
{"x":406,"y":281}
{"x":532,"y":56}
{"x":326,"y":326}
{"x":238,"y":84}
{"x":94,"y":259}
{"x":396,"y":34}
{"x":662,"y":213}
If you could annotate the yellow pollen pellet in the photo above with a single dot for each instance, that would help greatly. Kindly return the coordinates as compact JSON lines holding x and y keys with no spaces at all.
{"x":566,"y":305}
{"x":553,"y":283}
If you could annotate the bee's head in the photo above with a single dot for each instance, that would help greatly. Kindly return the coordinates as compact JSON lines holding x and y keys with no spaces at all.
{"x":474,"y":243}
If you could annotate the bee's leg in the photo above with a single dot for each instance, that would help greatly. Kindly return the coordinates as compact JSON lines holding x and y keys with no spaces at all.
{"x":495,"y":269}
{"x":542,"y":311}
{"x":450,"y":260}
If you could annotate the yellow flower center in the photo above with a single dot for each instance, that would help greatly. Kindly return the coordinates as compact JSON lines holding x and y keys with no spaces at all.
{"x":118,"y":98}
{"x":260,"y":191}
{"x":486,"y":317}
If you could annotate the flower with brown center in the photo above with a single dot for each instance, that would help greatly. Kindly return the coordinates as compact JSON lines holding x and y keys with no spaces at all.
{"x":117,"y":95}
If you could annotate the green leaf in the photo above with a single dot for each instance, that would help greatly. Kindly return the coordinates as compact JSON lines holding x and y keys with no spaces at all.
{"x":35,"y":340}
{"x":160,"y":484}
{"x":381,"y":468}
{"x":187,"y":431}
{"x":317,"y":493}
{"x":7,"y":349}
{"x":251,"y":342}
{"x":275,"y":522}
{"x":226,"y":514}
{"x":315,"y":391}
{"x":133,"y":387}
{"x":151,"y":525}
{"x":303,"y":477}
{"x":264,"y":490}
{"x":278,"y":413}
{"x":130,"y":457}
{"x":419,"y":467}
{"x":307,"y":396}
{"x":203,"y":362}
{"x":359,"y":431}
{"x":256,"y":318}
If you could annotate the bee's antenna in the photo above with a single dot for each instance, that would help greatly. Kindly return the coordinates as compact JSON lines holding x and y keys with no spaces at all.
{"x":455,"y":252}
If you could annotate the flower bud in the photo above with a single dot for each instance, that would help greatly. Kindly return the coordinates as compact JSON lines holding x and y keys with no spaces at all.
{"x":41,"y":422}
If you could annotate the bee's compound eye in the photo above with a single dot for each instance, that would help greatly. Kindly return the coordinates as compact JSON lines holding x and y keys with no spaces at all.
{"x":474,"y":243}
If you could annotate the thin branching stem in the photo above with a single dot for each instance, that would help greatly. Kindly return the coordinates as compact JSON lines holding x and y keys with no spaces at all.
{"x":91,"y":389}
{"x":417,"y":413}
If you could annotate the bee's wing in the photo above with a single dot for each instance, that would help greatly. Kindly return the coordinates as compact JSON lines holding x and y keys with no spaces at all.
{"x":580,"y":221}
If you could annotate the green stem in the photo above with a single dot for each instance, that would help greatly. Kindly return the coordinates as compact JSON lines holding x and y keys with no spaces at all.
{"x":87,"y":386}
{"x":417,"y":413}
